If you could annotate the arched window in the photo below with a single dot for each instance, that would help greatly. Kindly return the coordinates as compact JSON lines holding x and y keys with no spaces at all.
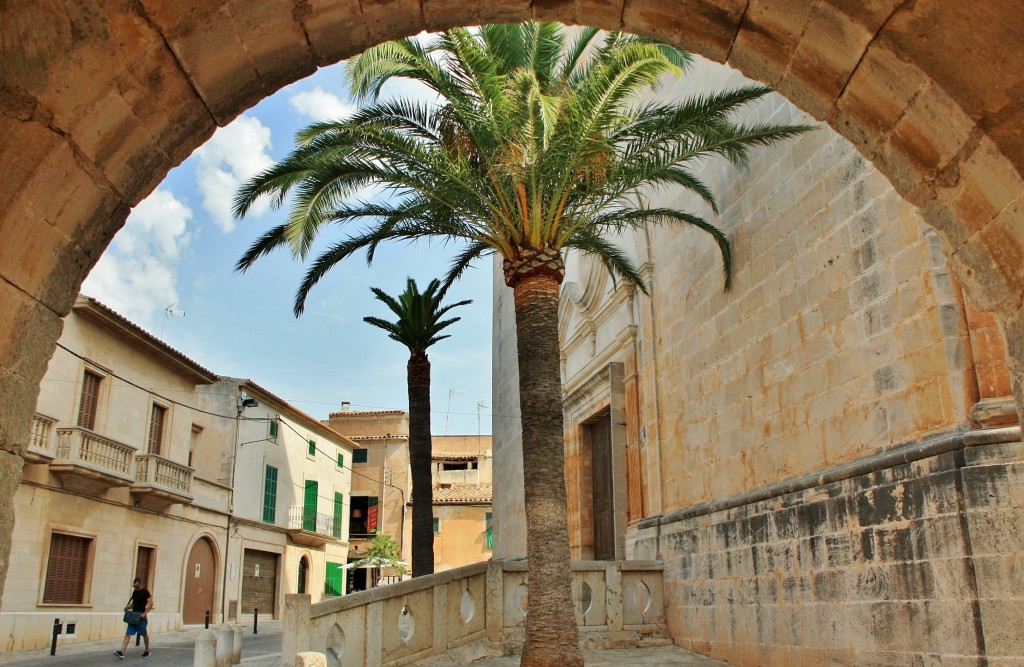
{"x":303,"y":573}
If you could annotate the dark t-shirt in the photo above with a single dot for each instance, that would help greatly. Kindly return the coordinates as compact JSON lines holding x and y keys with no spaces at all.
{"x":139,"y":599}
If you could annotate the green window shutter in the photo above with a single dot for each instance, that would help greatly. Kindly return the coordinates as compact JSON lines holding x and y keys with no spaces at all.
{"x":270,"y":495}
{"x":272,"y":429}
{"x":341,"y":460}
{"x":437,"y":525}
{"x":339,"y":502}
{"x":489,"y":520}
{"x":359,"y":456}
{"x":332,"y":579}
{"x":312,"y":448}
{"x":309,"y":506}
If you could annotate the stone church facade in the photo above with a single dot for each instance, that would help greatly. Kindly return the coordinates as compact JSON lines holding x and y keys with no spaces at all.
{"x":826,"y":457}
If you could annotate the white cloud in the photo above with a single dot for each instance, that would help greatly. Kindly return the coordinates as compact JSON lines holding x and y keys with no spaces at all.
{"x":137,"y":276}
{"x":320,"y":105}
{"x":234,"y":154}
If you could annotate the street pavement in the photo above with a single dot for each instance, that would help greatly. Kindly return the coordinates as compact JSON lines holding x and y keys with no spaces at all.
{"x":170,"y":649}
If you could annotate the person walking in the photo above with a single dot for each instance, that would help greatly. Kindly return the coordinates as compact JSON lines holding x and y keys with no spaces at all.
{"x":136,"y":612}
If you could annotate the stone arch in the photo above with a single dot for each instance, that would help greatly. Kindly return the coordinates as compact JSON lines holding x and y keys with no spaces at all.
{"x":99,"y":100}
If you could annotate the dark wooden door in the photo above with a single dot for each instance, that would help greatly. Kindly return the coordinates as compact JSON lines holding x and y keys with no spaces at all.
{"x":200,"y":579}
{"x":601,"y":461}
{"x":259,"y":582}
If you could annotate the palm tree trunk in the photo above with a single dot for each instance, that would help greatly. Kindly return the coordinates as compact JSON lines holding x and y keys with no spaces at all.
{"x":418,"y":371}
{"x":552,"y":637}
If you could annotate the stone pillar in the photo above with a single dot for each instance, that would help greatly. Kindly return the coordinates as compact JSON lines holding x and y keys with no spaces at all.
{"x":296,"y":627}
{"x":28,"y":333}
{"x":440,"y":638}
{"x":375,"y":633}
{"x":206,"y":650}
{"x":236,"y":644}
{"x":494,"y":602}
{"x":225,"y":640}
{"x":310,"y":659}
{"x":613,"y":593}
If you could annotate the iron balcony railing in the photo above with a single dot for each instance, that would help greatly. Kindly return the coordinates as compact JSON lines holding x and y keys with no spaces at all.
{"x":304,"y":518}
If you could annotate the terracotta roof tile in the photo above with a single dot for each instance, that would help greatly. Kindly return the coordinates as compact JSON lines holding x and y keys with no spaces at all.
{"x":468,"y":494}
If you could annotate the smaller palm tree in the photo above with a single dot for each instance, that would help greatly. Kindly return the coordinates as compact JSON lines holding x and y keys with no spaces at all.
{"x":418,"y":327}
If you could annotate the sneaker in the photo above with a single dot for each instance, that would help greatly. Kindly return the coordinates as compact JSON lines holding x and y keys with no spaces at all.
{"x":146,"y":654}
{"x":119,"y":654}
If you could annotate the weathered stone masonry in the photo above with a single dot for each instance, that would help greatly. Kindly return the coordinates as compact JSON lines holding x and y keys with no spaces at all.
{"x":911,"y":553}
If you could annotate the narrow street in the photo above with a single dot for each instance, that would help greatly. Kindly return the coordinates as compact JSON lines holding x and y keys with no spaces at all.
{"x":170,"y":649}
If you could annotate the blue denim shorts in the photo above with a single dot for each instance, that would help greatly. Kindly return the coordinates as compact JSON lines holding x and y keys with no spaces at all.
{"x":139,"y":629}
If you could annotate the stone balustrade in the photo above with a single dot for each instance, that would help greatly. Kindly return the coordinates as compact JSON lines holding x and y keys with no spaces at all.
{"x":618,"y":604}
{"x":42,"y":447}
{"x":87,"y":461}
{"x":162,"y":481}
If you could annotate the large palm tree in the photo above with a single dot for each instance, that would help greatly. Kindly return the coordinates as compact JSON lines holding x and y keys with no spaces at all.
{"x":418,"y":326}
{"x":538,"y":145}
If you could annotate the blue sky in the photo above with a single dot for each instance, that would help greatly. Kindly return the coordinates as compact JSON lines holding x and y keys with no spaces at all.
{"x":180,"y":245}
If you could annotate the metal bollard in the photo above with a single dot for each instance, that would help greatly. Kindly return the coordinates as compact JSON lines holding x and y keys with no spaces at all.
{"x":56,"y":631}
{"x":206,"y":625}
{"x":225,"y":641}
{"x":206,"y":650}
{"x":255,"y":617}
{"x":236,"y":645}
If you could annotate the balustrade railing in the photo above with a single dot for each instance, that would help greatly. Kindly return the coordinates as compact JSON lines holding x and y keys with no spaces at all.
{"x":81,"y":446}
{"x":40,"y":440}
{"x":618,"y":603}
{"x":162,"y":473}
{"x":303,"y":518}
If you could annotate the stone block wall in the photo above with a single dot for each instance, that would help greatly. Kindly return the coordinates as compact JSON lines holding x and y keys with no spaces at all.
{"x":882,"y":562}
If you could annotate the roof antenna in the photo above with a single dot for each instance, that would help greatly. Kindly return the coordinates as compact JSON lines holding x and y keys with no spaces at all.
{"x":170,"y":312}
{"x":451,"y":392}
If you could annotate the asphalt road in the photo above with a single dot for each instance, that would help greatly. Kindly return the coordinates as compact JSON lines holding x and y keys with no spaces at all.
{"x":170,"y":649}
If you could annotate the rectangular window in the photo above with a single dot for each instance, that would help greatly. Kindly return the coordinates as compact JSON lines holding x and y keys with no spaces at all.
{"x":309,"y":506}
{"x":332,"y":579}
{"x":311,"y":451}
{"x":66,"y":569}
{"x":341,"y":460}
{"x":156,"y":428}
{"x":90,"y":400}
{"x":272,"y":429}
{"x":339,"y":503}
{"x":270,"y":495}
{"x":359,"y":456}
{"x":144,"y":566}
{"x":437,"y":525}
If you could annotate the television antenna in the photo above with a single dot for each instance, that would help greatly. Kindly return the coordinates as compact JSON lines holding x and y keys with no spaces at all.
{"x":448,"y":413}
{"x":169,"y":312}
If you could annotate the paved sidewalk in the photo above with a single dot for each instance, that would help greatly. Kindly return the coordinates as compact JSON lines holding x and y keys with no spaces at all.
{"x":170,"y":649}
{"x":653,"y":656}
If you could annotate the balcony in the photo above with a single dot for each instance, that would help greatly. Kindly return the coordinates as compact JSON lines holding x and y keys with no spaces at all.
{"x":42,"y":447}
{"x":311,"y":529}
{"x":160,"y":482}
{"x":90,"y":463}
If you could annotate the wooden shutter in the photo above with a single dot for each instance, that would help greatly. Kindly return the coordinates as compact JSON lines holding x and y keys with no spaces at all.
{"x":144,"y":565}
{"x":332,"y":579}
{"x":309,"y":506}
{"x":66,"y":569}
{"x":372,"y":516}
{"x":270,"y":495}
{"x":90,"y":400}
{"x":156,"y":428}
{"x":339,"y":503}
